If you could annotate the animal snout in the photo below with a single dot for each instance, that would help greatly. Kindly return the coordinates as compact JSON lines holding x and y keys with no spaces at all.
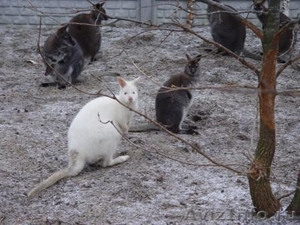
{"x":193,"y":71}
{"x":130,"y":98}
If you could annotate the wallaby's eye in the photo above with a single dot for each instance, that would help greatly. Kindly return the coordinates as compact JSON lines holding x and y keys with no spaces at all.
{"x":125,"y":93}
{"x":133,"y":92}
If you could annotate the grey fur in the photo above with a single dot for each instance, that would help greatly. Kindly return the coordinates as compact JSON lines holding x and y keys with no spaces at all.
{"x":172,"y":105}
{"x":63,"y":58}
{"x":88,"y":36}
{"x":226,"y":29}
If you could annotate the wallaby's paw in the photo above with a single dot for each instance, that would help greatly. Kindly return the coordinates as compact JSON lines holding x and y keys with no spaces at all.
{"x":124,"y":129}
{"x":44,"y":84}
{"x":193,"y":127}
{"x":60,"y":87}
{"x":123,"y":158}
{"x":192,"y":132}
{"x":115,"y":161}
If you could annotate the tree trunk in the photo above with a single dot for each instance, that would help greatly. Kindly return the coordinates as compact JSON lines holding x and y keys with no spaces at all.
{"x":190,"y":15}
{"x":294,"y":207}
{"x":265,"y":203}
{"x":259,"y":177}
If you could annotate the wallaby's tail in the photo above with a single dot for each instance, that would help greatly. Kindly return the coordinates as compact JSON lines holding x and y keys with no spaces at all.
{"x":286,"y":58}
{"x":98,"y":73}
{"x":144,"y":127}
{"x":49,"y":181}
{"x":295,"y":66}
{"x":252,"y":55}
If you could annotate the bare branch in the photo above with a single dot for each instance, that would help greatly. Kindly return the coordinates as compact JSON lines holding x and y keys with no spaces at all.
{"x":287,"y":195}
{"x":290,"y":62}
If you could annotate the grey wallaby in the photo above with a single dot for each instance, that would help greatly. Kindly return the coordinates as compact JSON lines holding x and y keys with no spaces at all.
{"x":172,"y":103}
{"x":228,"y":31}
{"x":63,"y":58}
{"x":85,"y":28}
{"x":287,"y":38}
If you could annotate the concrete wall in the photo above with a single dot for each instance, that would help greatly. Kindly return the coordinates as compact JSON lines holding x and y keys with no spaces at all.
{"x":55,"y":12}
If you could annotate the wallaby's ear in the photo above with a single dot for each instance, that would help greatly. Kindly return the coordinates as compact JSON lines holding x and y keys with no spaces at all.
{"x":189,"y":58}
{"x":136,"y":80}
{"x":99,"y":5}
{"x":61,"y":30}
{"x":122,"y":82}
{"x":198,"y":57}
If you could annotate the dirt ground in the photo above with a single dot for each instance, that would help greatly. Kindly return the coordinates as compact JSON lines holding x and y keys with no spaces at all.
{"x":150,"y":188}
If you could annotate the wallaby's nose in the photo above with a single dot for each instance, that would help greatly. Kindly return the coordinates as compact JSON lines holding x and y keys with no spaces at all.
{"x":130,"y":98}
{"x":193,"y":71}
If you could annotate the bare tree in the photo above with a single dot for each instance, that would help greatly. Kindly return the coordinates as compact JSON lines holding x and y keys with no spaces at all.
{"x":259,"y":176}
{"x":259,"y":172}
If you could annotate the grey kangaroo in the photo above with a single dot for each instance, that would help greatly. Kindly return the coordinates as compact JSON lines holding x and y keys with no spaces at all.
{"x":63,"y":58}
{"x":172,"y":104}
{"x":86,"y":30}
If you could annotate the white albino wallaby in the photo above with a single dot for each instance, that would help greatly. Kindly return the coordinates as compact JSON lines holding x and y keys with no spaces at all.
{"x":95,"y":133}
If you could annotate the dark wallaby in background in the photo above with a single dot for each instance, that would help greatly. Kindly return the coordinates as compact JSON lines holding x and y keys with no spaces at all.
{"x":63,"y":58}
{"x":286,"y":40}
{"x":228,"y":31}
{"x":85,"y":28}
{"x":172,"y":104}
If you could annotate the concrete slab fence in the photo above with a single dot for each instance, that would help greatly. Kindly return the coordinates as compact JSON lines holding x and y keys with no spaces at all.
{"x":55,"y":12}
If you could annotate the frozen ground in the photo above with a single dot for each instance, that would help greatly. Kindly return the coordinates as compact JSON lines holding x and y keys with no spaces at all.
{"x":149,"y":188}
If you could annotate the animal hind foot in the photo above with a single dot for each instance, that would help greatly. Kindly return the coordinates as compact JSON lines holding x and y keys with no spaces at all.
{"x":53,"y":84}
{"x":118,"y":160}
{"x":189,"y":131}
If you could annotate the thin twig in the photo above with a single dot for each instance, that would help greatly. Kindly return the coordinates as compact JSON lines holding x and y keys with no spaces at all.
{"x":287,"y":195}
{"x":290,"y":62}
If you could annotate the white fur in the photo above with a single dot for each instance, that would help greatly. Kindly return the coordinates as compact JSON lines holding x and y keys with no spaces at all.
{"x":92,"y":134}
{"x":95,"y":133}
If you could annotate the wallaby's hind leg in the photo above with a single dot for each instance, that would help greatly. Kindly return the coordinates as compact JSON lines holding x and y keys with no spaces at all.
{"x":76,"y":164}
{"x":109,"y":161}
{"x":190,"y":131}
{"x":177,"y":127}
{"x":53,"y":84}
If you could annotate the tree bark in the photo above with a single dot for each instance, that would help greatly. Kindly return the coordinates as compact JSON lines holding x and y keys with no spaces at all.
{"x":190,"y":15}
{"x":294,"y":207}
{"x":260,"y":187}
{"x":264,"y":202}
